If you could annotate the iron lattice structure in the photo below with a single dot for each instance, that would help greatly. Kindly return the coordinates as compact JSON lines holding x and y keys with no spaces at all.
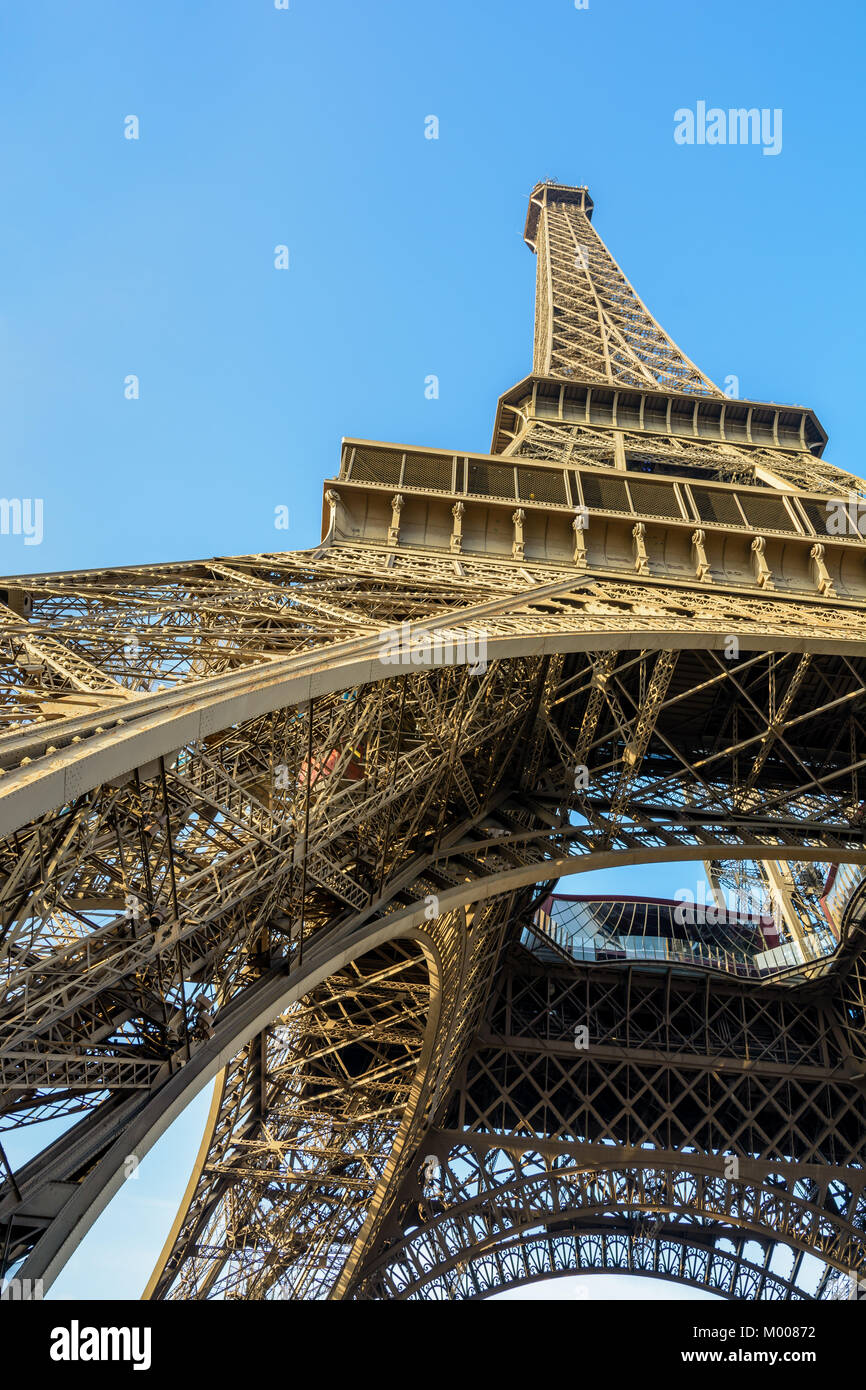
{"x":288,"y":821}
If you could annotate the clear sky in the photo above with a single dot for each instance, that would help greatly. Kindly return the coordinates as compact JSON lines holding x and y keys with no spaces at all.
{"x":305,"y":128}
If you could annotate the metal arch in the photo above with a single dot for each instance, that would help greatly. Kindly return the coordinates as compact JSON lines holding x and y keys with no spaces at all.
{"x":517,"y":1130}
{"x":424,"y":814}
{"x":575,"y":1200}
{"x":254,"y":1012}
{"x":462,"y":970}
{"x":209,"y":1199}
{"x":47,"y":780}
{"x":672,"y":1259}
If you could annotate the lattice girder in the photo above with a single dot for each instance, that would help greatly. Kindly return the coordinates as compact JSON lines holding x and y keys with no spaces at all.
{"x":530,"y":1152}
{"x":264,"y":808}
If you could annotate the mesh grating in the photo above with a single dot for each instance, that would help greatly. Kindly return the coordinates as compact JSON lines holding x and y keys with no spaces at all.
{"x":720,"y":507}
{"x":654,"y":499}
{"x":604,"y":494}
{"x":541,"y":485}
{"x":831,"y":518}
{"x":376,"y":466}
{"x":491,"y":480}
{"x":426,"y":470}
{"x":766,"y":513}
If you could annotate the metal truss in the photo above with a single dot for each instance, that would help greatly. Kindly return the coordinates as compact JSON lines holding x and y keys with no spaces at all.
{"x":591,"y":327}
{"x":264,"y":819}
{"x":542,"y":439}
{"x":588,"y":320}
{"x":639,"y":1150}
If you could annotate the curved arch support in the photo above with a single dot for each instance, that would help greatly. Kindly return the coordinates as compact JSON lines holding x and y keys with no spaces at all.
{"x":553,"y":1212}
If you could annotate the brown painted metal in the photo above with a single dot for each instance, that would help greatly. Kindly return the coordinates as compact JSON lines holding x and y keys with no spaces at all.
{"x":286,"y":817}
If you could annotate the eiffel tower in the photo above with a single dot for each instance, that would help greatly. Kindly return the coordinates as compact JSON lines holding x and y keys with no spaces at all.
{"x":292,"y":823}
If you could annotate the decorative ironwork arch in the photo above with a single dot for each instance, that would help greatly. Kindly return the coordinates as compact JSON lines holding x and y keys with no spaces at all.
{"x":223,"y":778}
{"x":539,"y":1259}
{"x":555,"y":1207}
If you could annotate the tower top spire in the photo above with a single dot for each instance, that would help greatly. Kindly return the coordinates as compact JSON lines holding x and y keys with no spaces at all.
{"x":563,"y":193}
{"x":590,"y":324}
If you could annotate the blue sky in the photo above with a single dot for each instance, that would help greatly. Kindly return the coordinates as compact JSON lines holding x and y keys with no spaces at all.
{"x":261,"y":127}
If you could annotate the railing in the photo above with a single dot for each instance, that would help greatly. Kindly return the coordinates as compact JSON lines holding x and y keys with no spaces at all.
{"x":781,"y":958}
{"x":842,"y":883}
